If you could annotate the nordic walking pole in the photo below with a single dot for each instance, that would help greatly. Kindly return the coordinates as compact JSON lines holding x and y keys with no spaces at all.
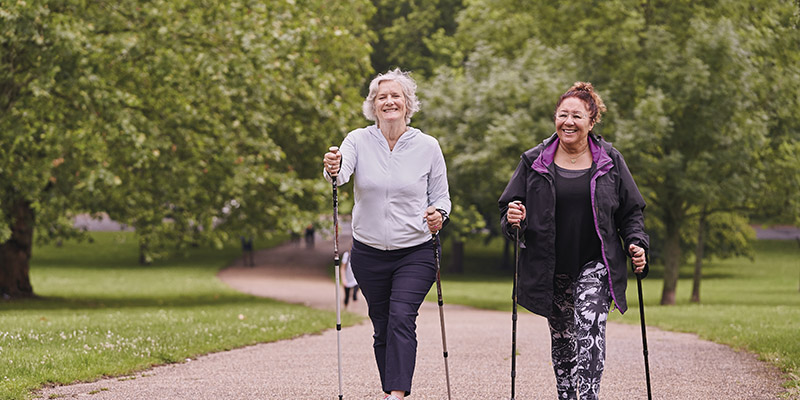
{"x":334,"y":149}
{"x":514,"y":312}
{"x":644,"y":333}
{"x":441,"y":308}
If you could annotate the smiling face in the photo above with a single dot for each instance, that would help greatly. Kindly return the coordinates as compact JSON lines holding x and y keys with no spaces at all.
{"x":390,"y":103}
{"x":573,"y":122}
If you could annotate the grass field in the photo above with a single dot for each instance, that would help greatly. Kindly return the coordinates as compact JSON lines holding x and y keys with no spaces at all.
{"x":752,"y":305}
{"x":100,"y":313}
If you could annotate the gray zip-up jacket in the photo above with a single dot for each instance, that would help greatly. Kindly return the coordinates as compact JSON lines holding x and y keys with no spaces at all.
{"x":393,"y":187}
{"x":617,"y":206}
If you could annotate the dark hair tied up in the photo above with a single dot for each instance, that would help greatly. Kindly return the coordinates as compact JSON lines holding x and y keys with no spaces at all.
{"x":585,"y":91}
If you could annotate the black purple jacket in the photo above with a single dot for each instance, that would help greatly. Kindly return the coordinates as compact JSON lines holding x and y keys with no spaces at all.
{"x":617,"y":206}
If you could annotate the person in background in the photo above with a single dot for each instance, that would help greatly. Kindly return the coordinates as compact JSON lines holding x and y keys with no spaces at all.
{"x":401,"y":198}
{"x":309,"y":235}
{"x":583,"y":206}
{"x":247,"y":251}
{"x":349,"y":281}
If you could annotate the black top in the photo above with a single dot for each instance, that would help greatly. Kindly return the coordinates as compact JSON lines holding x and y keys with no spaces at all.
{"x":618,"y":215}
{"x":576,"y":239}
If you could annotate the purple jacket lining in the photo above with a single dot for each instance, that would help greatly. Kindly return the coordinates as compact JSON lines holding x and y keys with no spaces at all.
{"x":604,"y":164}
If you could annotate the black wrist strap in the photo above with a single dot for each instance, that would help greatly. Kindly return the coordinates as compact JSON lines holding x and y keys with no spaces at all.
{"x":445,"y":217}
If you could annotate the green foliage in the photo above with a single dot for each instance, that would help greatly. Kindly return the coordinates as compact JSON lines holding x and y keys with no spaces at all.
{"x":728,"y":235}
{"x":486,"y":114}
{"x":100,"y":314}
{"x":50,"y":155}
{"x":780,"y":203}
{"x":699,"y":97}
{"x":414,"y":35}
{"x":260,"y":89}
{"x":193,"y":122}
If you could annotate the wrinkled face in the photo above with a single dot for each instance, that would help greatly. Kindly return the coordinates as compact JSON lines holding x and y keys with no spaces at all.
{"x":390,"y":103}
{"x":572,"y":121}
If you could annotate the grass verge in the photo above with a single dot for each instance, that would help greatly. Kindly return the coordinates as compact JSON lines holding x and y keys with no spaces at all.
{"x":751,"y":305}
{"x":101,"y":314}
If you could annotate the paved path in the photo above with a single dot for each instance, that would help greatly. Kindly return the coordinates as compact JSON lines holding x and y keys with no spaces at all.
{"x":479,"y":343}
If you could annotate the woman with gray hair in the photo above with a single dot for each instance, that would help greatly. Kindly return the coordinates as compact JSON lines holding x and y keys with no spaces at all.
{"x":401,"y":198}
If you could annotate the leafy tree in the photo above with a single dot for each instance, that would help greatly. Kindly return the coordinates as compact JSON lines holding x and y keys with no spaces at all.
{"x":261,"y":91}
{"x":697,"y":137}
{"x":691,"y":108}
{"x":414,"y":35}
{"x":190,"y":121}
{"x":50,"y":158}
{"x":722,"y":235}
{"x":485,"y":115}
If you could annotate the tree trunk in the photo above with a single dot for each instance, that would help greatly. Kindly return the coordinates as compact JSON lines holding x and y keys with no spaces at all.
{"x":457,"y":258}
{"x":672,"y":261}
{"x":15,"y":253}
{"x":144,"y":259}
{"x":698,"y":258}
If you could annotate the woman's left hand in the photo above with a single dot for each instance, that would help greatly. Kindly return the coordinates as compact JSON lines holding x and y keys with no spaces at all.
{"x":638,"y":257}
{"x":434,"y":219}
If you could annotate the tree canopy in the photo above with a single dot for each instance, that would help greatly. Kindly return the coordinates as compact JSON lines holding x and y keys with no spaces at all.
{"x":191,"y":121}
{"x":414,"y":35}
{"x":198,"y":121}
{"x":697,"y":95}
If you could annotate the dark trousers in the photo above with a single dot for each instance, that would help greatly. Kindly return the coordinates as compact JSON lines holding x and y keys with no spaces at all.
{"x":394,"y":283}
{"x":347,"y":294}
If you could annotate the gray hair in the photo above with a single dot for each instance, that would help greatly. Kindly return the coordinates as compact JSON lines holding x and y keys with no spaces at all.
{"x":409,"y":92}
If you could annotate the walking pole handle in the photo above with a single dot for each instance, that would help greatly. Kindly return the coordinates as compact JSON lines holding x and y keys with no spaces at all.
{"x":335,"y":150}
{"x":517,"y":224}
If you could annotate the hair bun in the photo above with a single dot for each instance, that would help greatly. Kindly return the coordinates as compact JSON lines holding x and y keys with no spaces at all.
{"x":582,"y":87}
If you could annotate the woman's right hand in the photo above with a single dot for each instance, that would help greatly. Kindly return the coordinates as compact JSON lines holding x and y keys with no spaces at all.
{"x":331,"y":161}
{"x":516,"y":213}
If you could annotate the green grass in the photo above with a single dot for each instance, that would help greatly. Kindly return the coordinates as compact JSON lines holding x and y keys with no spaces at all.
{"x":100,"y":313}
{"x":745,"y":304}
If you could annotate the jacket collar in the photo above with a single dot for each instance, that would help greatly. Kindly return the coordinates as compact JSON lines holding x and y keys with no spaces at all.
{"x":596,"y":146}
{"x":408,"y":135}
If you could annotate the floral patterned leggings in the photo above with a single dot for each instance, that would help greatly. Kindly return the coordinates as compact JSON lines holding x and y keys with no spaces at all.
{"x":578,"y":331}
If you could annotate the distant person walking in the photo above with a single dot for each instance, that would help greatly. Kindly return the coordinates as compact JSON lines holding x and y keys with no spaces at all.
{"x":399,"y":172}
{"x":247,"y":251}
{"x":350,"y":282}
{"x":584,"y":204}
{"x":309,"y":235}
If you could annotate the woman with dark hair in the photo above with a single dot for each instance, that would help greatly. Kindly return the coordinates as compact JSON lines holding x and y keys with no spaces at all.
{"x":575,"y":203}
{"x":401,"y":197}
